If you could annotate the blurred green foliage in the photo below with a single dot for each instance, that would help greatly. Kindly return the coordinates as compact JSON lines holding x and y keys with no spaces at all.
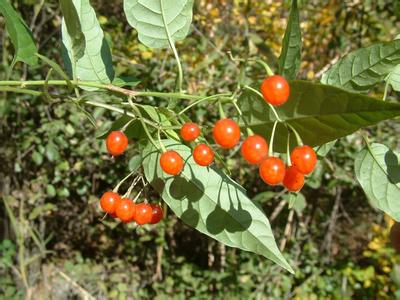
{"x":53,"y":170}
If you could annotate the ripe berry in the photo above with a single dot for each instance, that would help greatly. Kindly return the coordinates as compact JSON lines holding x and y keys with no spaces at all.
{"x":109,"y":201}
{"x":203,"y":155}
{"x":143,"y":214}
{"x":275,"y":90}
{"x":395,"y":236}
{"x":304,"y":159}
{"x":171,"y":162}
{"x":157,"y":213}
{"x":125,"y":210}
{"x":190,"y":132}
{"x":226,"y":133}
{"x":254,"y":149}
{"x":116,"y":143}
{"x":272,"y":170}
{"x":294,"y":180}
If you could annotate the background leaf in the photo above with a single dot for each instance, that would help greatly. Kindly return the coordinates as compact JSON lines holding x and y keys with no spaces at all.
{"x":96,"y":64}
{"x":320,"y":113}
{"x":214,"y":204}
{"x":378,"y":172}
{"x":290,"y":58}
{"x":73,"y":26}
{"x":153,"y":18}
{"x":363,"y":68}
{"x":20,"y":35}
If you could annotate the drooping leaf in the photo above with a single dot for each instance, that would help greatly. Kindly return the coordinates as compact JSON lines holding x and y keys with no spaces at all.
{"x":393,"y":78}
{"x":208,"y":200}
{"x":290,"y":58}
{"x":73,"y":25}
{"x":20,"y":35}
{"x":96,"y":63}
{"x":363,"y":68}
{"x":157,"y":21}
{"x":320,"y":113}
{"x":378,"y":172}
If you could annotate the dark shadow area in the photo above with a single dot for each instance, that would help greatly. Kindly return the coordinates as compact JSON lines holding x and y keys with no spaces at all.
{"x":106,"y":58}
{"x":393,"y":167}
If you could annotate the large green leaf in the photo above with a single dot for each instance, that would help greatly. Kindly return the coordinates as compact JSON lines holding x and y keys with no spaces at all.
{"x":74,"y":28}
{"x":158,"y":21}
{"x":361,"y":69}
{"x":208,"y":200}
{"x":378,"y":171}
{"x":320,"y":113}
{"x":20,"y":35}
{"x":290,"y":58}
{"x":96,"y":63}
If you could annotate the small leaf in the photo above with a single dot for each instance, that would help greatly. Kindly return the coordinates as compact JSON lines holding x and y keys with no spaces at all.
{"x":20,"y":35}
{"x":363,"y":68}
{"x":320,"y":113}
{"x":296,"y":201}
{"x":324,"y":149}
{"x":290,"y":58}
{"x":37,"y":158}
{"x":42,"y":209}
{"x":210,"y":201}
{"x":96,"y":63}
{"x":157,"y":21}
{"x":52,"y":152}
{"x":74,"y":28}
{"x":135,"y":163}
{"x":378,"y":172}
{"x":393,"y":78}
{"x":126,"y":81}
{"x":264,"y":197}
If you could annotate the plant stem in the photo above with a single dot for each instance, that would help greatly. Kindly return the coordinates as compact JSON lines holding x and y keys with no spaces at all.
{"x":115,"y":190}
{"x":109,"y":87}
{"x":271,"y":148}
{"x":289,"y":162}
{"x":200,"y":101}
{"x":298,"y":137}
{"x":270,"y":106}
{"x":20,"y":91}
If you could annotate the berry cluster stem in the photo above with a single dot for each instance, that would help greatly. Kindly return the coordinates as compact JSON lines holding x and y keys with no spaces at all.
{"x":271,"y":148}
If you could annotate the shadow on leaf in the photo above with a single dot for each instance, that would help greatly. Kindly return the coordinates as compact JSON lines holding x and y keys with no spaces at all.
{"x":393,"y":167}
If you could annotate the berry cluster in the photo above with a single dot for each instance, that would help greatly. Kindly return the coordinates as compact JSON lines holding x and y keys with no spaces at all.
{"x":226,"y":133}
{"x":128,"y":211}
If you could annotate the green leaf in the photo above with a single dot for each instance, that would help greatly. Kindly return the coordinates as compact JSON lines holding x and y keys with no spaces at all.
{"x":159,"y":115}
{"x":296,"y":201}
{"x":126,"y":81}
{"x":210,"y":201}
{"x":324,"y":149}
{"x":320,"y":113}
{"x":42,"y":209}
{"x":74,"y":28}
{"x":290,"y":58}
{"x":378,"y":172}
{"x":20,"y":35}
{"x":96,"y":63}
{"x":157,"y":21}
{"x":134,"y":163}
{"x":393,"y":78}
{"x":361,"y":69}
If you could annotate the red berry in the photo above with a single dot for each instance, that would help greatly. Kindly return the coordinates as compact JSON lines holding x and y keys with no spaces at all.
{"x":143,"y":214}
{"x":226,"y":133}
{"x":171,"y":162}
{"x":203,"y":155}
{"x":255,"y":149}
{"x":304,"y":159}
{"x":275,"y":90}
{"x":294,"y":180}
{"x":109,"y":201}
{"x":190,"y":132}
{"x":116,"y":143}
{"x":157,"y":213}
{"x":272,"y":170}
{"x":125,"y":210}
